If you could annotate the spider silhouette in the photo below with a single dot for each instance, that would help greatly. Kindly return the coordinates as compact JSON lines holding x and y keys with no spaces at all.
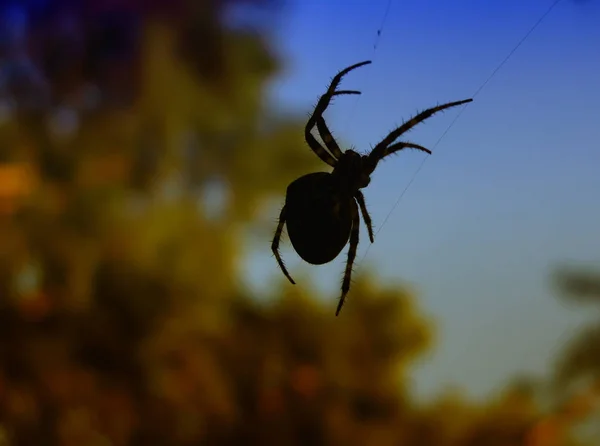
{"x":321,"y":208}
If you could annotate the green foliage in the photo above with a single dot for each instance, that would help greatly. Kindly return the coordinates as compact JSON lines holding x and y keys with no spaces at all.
{"x":581,"y":357}
{"x":581,"y":285}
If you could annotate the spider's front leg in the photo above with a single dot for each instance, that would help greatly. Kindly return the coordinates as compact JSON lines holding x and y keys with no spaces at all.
{"x":385,"y":148}
{"x":371,"y":162}
{"x":351,"y":256}
{"x":331,"y":91}
{"x":328,"y":138}
{"x":275,"y":245}
{"x":334,"y":153}
{"x":317,"y":114}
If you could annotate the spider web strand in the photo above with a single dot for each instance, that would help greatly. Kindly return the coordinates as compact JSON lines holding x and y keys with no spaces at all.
{"x":375,"y":47}
{"x":481,"y":87}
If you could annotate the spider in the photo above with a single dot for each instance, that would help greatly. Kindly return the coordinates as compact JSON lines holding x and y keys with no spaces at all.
{"x":321,"y":208}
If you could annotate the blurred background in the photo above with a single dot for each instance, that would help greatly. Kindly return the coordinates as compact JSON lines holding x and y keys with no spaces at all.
{"x":145,"y":148}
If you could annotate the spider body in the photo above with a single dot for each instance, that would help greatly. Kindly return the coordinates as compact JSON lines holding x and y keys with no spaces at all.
{"x":318,"y":217}
{"x":321,"y":209}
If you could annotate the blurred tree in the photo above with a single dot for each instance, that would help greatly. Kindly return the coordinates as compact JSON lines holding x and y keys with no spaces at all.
{"x":506,"y":420}
{"x":109,"y":142}
{"x":581,"y":358}
{"x":121,"y":315}
{"x":577,"y":374}
{"x":579,"y":285}
{"x":136,"y":146}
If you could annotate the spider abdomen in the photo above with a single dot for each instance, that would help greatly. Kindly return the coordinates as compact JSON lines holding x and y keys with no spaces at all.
{"x":318,"y":217}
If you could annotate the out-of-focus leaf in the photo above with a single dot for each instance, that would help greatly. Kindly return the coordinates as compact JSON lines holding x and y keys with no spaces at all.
{"x":581,"y":356}
{"x":576,"y":285}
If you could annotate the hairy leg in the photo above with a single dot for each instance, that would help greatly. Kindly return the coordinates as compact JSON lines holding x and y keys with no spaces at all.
{"x":371,"y":162}
{"x":366,"y":217}
{"x":351,"y":256}
{"x":378,"y":152}
{"x":328,"y":138}
{"x":275,"y":245}
{"x":320,"y":108}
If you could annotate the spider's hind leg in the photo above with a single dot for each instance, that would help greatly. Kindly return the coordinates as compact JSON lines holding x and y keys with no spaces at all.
{"x":351,"y":256}
{"x":366,"y":217}
{"x":275,"y":245}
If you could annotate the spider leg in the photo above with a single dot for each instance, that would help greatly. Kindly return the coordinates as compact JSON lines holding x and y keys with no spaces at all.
{"x":340,"y":92}
{"x":366,"y":217}
{"x":318,"y":148}
{"x":326,"y":98}
{"x":320,"y":108}
{"x":312,"y":141}
{"x":372,"y":163}
{"x":404,"y":145}
{"x":275,"y":245}
{"x":380,"y":149}
{"x":351,"y":256}
{"x":328,"y":138}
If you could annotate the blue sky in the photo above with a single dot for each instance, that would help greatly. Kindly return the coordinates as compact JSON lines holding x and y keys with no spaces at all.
{"x":511,"y":190}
